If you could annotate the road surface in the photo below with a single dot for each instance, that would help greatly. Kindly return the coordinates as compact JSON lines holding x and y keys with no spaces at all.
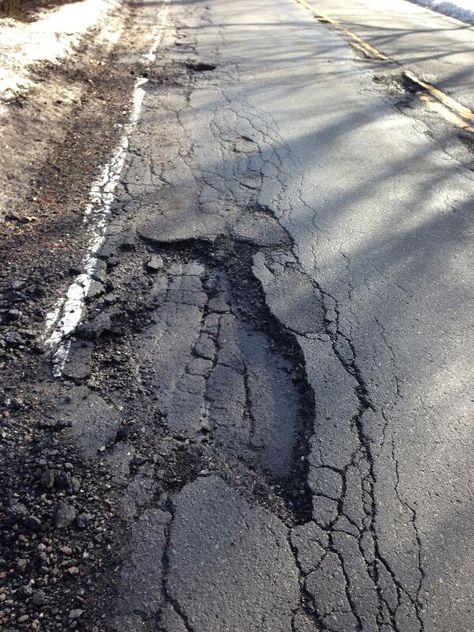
{"x":295,"y":256}
{"x":438,"y":48}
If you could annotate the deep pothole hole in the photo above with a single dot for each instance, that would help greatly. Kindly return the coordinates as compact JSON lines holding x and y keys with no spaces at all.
{"x":200,"y":66}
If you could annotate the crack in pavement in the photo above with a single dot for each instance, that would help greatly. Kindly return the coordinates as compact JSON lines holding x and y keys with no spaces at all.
{"x":253,"y":380}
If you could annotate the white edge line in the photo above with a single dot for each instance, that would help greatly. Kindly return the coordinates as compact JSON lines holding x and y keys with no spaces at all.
{"x":63,"y":318}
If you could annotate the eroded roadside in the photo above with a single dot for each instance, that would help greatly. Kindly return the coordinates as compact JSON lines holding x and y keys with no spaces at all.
{"x":179,"y":381}
{"x":56,"y":138}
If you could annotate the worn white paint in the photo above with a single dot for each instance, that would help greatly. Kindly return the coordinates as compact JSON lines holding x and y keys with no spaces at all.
{"x":64,"y":317}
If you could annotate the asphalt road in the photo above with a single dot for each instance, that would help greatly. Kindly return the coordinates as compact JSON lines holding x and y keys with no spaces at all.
{"x":435,"y":47}
{"x":309,"y":353}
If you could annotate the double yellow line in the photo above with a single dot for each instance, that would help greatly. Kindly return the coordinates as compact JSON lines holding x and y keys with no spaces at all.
{"x":356,"y":41}
{"x":437,"y":100}
{"x":440,"y":102}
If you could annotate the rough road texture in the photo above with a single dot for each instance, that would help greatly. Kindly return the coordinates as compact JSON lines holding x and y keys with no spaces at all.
{"x":272,"y":367}
{"x":287,"y":346}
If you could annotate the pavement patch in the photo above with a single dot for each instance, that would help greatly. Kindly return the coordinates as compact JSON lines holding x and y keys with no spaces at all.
{"x":243,"y":557}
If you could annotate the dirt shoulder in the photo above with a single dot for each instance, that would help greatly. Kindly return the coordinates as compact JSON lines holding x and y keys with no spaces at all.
{"x":55,"y":138}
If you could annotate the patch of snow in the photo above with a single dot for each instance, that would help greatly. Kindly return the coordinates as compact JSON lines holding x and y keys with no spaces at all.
{"x":51,"y":37}
{"x":462,"y":10}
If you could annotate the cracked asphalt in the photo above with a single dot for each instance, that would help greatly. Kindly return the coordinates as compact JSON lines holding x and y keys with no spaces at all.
{"x":275,"y":364}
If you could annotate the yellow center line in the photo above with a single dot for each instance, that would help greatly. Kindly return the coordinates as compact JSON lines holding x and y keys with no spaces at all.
{"x":446,"y":113}
{"x":435,"y":99}
{"x":359,"y":43}
{"x":442,"y":97}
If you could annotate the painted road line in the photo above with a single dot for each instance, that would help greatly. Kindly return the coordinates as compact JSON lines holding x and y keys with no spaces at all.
{"x":442,"y":110}
{"x":357,"y":42}
{"x":433,"y":97}
{"x":64,"y":317}
{"x":460,"y":110}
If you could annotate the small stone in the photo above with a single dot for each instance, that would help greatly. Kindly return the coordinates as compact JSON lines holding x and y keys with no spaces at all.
{"x":17,"y":509}
{"x":47,"y":479}
{"x":13,"y":338}
{"x":75,"y":484}
{"x":22,"y":564}
{"x":97,"y":326}
{"x":76,"y":613}
{"x":112,"y":261}
{"x":154,"y":264}
{"x":23,"y":618}
{"x":96,"y":289}
{"x":33,"y":523}
{"x":73,"y":570}
{"x":100,"y":272}
{"x":66,"y":550}
{"x":18,"y":284}
{"x":107,"y":251}
{"x":64,"y":480}
{"x":110,"y":299}
{"x":25,"y":591}
{"x":64,"y":515}
{"x":38,"y":598}
{"x":41,"y":560}
{"x":82,"y":520}
{"x":138,"y":460}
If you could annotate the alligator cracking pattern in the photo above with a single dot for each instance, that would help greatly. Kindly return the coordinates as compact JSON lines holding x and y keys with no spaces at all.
{"x":221,"y":370}
{"x":225,"y":371}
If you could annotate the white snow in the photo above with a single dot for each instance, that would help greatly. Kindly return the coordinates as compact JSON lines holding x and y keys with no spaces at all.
{"x":461,"y":9}
{"x":51,"y":37}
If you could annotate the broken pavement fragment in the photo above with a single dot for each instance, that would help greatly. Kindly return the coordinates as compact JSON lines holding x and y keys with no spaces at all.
{"x":94,"y":423}
{"x":290,"y":294}
{"x":78,"y":364}
{"x":230,"y":566}
{"x":139,"y":586}
{"x":181,"y":227}
{"x":260,"y":227}
{"x":64,"y":515}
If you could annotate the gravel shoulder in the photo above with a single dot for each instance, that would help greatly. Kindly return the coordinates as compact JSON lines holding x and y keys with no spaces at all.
{"x":56,"y":133}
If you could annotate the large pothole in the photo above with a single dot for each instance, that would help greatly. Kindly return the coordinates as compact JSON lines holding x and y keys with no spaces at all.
{"x":224,"y":380}
{"x":221,"y":369}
